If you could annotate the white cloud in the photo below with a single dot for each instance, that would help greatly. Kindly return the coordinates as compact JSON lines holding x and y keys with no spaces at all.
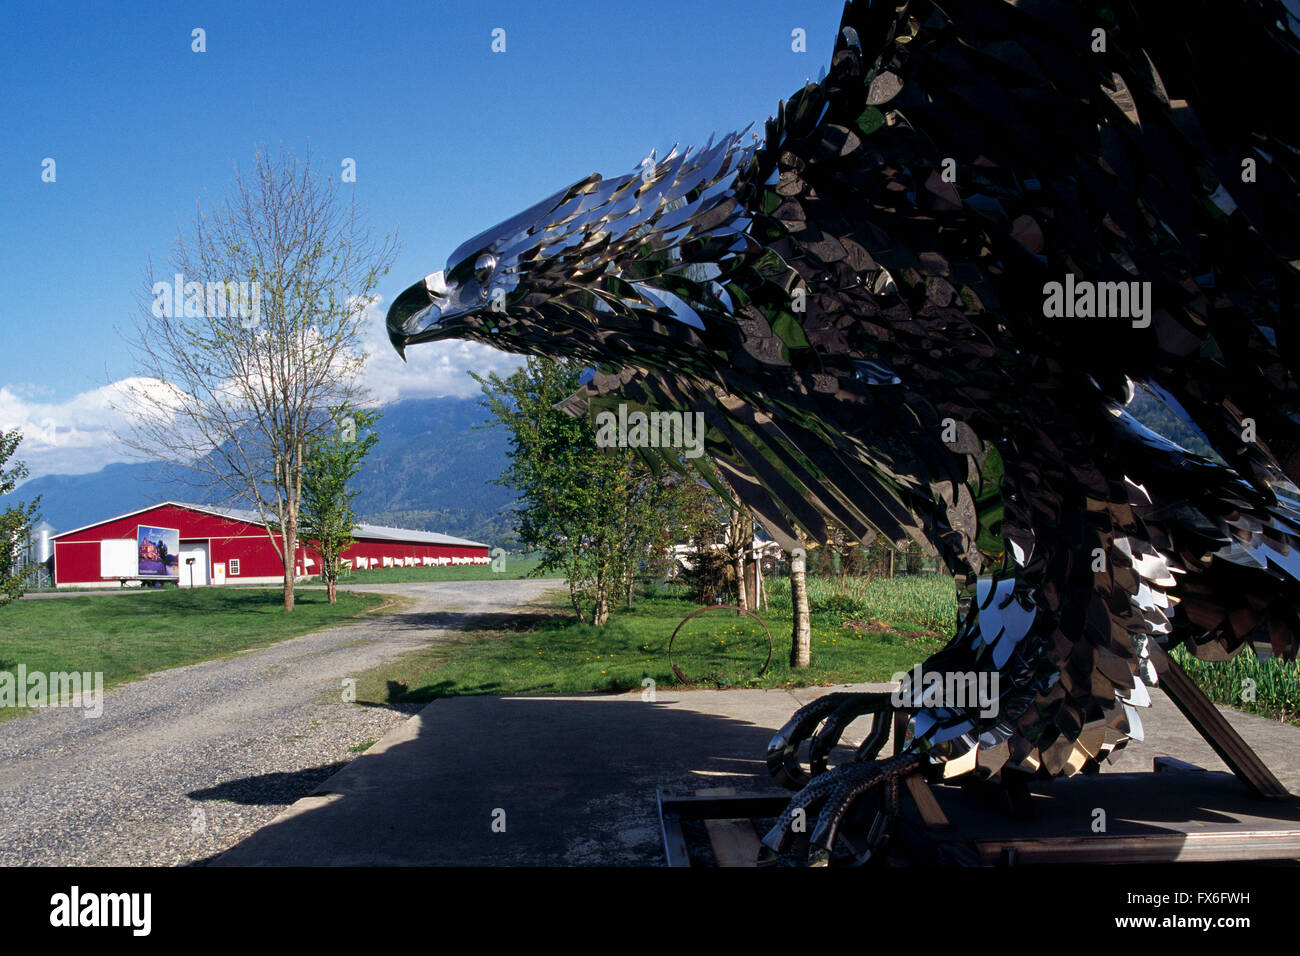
{"x":69,"y":437}
{"x":431,"y":369}
{"x":79,"y":435}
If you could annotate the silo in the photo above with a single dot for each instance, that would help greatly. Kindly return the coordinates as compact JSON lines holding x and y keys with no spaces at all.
{"x":42,"y":542}
{"x":38,"y":551}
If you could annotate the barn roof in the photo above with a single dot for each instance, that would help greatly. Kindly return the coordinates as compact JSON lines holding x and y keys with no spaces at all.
{"x":367,"y":531}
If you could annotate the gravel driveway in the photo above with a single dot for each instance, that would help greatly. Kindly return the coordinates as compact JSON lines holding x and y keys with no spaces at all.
{"x":187,"y":762}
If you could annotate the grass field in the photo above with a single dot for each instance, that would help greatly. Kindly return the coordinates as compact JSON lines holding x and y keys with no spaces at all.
{"x":911,"y":603}
{"x":545,"y":651}
{"x":515,"y":568}
{"x":129,"y":635}
{"x":1273,"y":684}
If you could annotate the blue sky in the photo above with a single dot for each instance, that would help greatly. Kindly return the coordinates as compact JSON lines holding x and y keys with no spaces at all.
{"x":448,"y":138}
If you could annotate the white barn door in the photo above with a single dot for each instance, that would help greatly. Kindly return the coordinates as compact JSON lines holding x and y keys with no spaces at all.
{"x":195,"y":574}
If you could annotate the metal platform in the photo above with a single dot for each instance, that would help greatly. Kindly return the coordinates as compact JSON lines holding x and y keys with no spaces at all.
{"x":1187,"y":815}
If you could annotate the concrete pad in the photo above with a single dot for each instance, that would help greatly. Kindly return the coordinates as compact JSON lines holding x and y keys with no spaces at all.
{"x":573,"y":778}
{"x":1168,"y":734}
{"x":574,"y":775}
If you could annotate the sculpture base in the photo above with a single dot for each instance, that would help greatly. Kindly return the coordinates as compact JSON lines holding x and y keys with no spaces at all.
{"x":1190,"y":815}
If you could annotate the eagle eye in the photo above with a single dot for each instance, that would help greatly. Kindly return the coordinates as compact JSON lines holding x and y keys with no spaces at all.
{"x":484,"y":266}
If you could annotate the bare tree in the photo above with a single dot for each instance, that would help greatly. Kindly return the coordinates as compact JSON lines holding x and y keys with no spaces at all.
{"x":252,"y":336}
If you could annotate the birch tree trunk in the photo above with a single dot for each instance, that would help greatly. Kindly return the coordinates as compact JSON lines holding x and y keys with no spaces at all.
{"x":600,"y":613}
{"x":742,"y":530}
{"x":577,"y":601}
{"x":801,"y":648}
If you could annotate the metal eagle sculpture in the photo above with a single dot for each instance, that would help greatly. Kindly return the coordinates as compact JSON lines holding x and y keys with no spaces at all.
{"x":919,"y":306}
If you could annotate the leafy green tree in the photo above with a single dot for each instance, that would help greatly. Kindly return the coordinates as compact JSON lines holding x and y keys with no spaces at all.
{"x":567,"y":490}
{"x":15,"y":523}
{"x":650,"y":518}
{"x":598,"y":516}
{"x":326,"y":516}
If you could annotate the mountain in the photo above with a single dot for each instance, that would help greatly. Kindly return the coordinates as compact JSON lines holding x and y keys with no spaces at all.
{"x":432,"y":470}
{"x":71,"y":501}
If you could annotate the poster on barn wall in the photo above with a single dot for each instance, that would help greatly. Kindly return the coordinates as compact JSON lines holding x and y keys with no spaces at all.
{"x":159,"y":550}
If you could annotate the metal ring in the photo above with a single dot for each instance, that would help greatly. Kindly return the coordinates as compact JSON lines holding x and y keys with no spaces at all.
{"x":677,"y":671}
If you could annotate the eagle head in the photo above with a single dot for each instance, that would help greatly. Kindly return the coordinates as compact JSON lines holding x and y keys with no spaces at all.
{"x":599,"y":270}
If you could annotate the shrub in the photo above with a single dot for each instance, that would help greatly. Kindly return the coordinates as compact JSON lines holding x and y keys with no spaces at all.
{"x":1276,"y":683}
{"x":709,"y":578}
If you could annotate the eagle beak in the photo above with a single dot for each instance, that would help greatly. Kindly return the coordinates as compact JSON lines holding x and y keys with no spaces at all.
{"x":399,"y":343}
{"x":416,"y":312}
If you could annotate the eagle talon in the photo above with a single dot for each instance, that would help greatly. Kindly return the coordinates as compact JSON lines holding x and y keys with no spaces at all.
{"x":824,"y":721}
{"x":852,"y":783}
{"x":837,"y":792}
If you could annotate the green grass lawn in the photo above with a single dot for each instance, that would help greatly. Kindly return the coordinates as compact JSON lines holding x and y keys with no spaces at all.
{"x":546,"y":651}
{"x":515,"y":568}
{"x":1274,"y":684}
{"x":129,"y":635}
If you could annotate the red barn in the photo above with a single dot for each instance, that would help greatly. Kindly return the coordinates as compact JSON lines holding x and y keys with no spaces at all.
{"x":219,"y":545}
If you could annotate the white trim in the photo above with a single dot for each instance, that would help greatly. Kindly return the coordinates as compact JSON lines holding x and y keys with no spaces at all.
{"x":129,"y":514}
